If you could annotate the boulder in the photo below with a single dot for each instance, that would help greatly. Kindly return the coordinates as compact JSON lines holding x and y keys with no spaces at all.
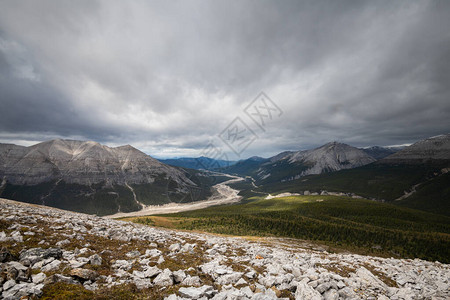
{"x":152,"y":252}
{"x":175,"y":247}
{"x":59,"y":278}
{"x":54,"y":265}
{"x":179,"y":276}
{"x":38,"y":278}
{"x":152,"y":272}
{"x":229,"y":278}
{"x":38,"y":254}
{"x":95,"y":260}
{"x":9,"y":284}
{"x":196,"y":293}
{"x":165,"y":278}
{"x":192,"y":281}
{"x":304,"y":291}
{"x":83,"y":274}
{"x":331,"y":294}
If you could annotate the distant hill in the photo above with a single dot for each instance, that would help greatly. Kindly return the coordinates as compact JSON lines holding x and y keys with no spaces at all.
{"x":245,"y":167}
{"x":290,"y":165}
{"x":90,"y":177}
{"x":417,"y":176}
{"x":432,"y":150}
{"x":378,"y":152}
{"x":198,"y":163}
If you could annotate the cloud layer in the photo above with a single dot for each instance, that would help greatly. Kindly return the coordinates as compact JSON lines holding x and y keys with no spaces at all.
{"x":169,"y":76}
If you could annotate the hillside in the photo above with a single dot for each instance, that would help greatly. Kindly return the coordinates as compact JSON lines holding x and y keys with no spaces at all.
{"x":291,"y":165}
{"x":245,"y":167}
{"x":90,"y":177}
{"x":197,"y":163}
{"x":435,"y":150}
{"x":359,"y":225}
{"x":416,"y":176}
{"x":43,"y":257}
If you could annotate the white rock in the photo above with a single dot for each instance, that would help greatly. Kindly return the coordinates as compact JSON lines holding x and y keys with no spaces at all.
{"x":51,"y":266}
{"x":331,"y":294}
{"x":38,"y":278}
{"x":175,"y":247}
{"x":152,"y":272}
{"x":3,"y":237}
{"x":9,"y":284}
{"x":95,"y":260}
{"x":179,"y":276}
{"x":165,"y":278}
{"x":192,"y":281}
{"x":304,"y":291}
{"x":152,"y":252}
{"x":229,"y":278}
{"x":195,"y":293}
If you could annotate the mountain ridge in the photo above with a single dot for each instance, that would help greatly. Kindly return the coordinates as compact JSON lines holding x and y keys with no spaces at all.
{"x":86,"y":176}
{"x":81,"y":162}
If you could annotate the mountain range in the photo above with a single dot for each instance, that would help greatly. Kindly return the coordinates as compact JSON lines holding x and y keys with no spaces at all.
{"x":90,"y":177}
{"x":94,"y":178}
{"x":418,"y":176}
{"x":291,"y":165}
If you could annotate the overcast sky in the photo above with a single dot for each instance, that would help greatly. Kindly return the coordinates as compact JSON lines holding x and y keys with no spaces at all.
{"x":169,"y":76}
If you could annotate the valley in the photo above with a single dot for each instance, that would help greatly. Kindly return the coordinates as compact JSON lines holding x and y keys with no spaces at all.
{"x":336,"y":201}
{"x":222,"y":194}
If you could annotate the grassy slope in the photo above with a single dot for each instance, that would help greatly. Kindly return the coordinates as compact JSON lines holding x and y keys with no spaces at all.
{"x":386,"y":182}
{"x":355,"y":224}
{"x":433,"y":196}
{"x":378,"y":181}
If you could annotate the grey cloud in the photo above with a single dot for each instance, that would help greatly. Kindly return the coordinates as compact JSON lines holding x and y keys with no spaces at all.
{"x":169,"y":76}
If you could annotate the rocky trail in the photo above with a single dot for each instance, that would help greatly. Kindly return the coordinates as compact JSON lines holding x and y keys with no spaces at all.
{"x":45,"y":252}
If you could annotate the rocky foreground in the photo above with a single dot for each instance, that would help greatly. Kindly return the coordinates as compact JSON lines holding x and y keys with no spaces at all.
{"x":58,"y":254}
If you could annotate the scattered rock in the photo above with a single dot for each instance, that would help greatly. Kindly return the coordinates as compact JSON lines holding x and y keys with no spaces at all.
{"x":165,"y":278}
{"x":84,"y":274}
{"x":266,"y":271}
{"x":59,"y":278}
{"x":95,"y":260}
{"x":304,"y":291}
{"x":175,"y":247}
{"x":196,"y":293}
{"x":179,"y":276}
{"x":38,"y":278}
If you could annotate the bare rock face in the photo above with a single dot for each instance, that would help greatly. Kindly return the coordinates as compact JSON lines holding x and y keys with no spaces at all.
{"x":90,"y":177}
{"x":332,"y":157}
{"x":432,"y":149}
{"x":82,"y":163}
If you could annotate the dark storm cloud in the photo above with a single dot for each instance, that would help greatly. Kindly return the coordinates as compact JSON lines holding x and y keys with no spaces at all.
{"x":168,"y":77}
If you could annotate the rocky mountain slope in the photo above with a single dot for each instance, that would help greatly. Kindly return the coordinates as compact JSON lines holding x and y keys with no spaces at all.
{"x":333,"y":156}
{"x":89,"y":177}
{"x":58,"y":254}
{"x":80,"y":163}
{"x":432,"y":150}
{"x":417,"y":176}
{"x":330,"y":157}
